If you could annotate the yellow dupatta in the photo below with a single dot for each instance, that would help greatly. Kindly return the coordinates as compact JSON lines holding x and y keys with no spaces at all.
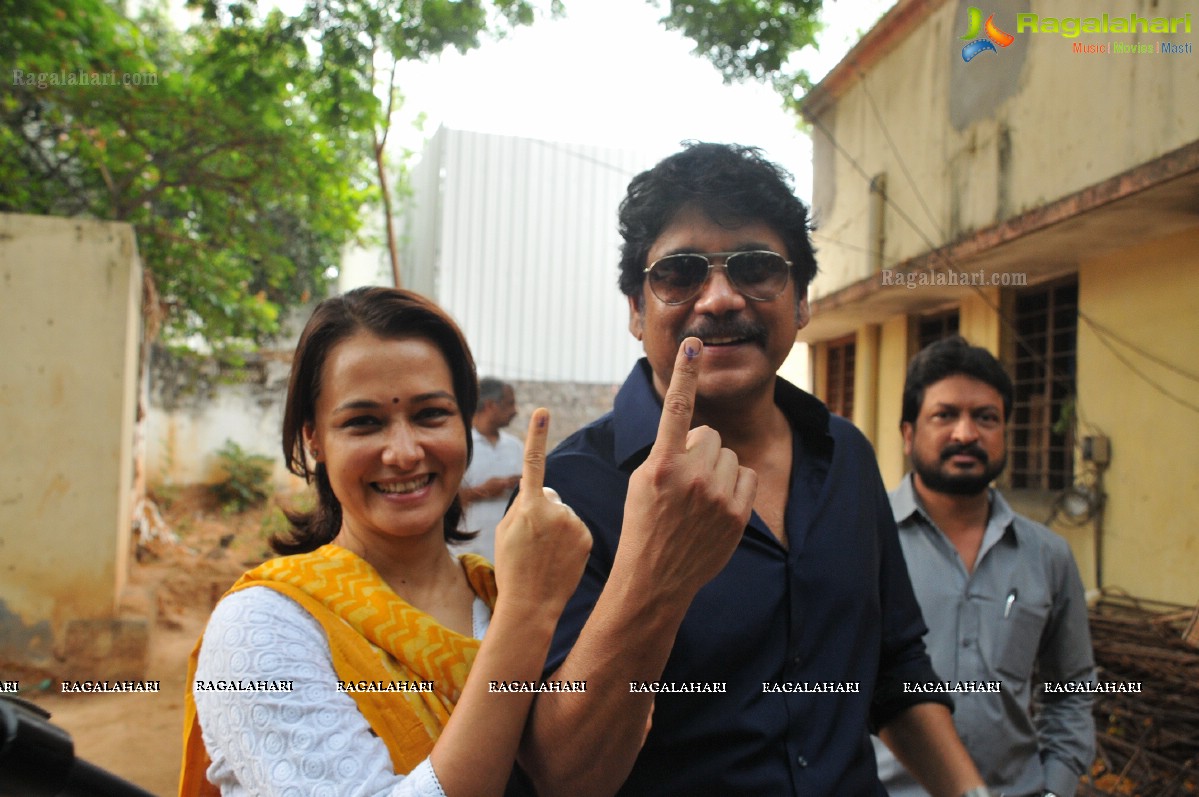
{"x":374,"y":635}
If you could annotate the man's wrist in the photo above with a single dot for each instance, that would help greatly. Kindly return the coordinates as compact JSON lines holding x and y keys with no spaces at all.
{"x":978,"y":791}
{"x":983,"y":791}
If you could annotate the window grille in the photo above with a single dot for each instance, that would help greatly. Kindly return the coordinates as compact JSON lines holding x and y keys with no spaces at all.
{"x":1041,"y":452}
{"x":840,"y":376}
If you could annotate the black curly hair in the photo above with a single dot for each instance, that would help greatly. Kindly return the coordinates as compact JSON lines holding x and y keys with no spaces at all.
{"x":732,"y":185}
{"x":949,"y":357}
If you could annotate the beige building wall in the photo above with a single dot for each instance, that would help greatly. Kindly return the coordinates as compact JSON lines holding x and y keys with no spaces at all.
{"x":1141,"y":306}
{"x":70,"y":299}
{"x":893,"y":366}
{"x":1042,"y":163}
{"x":797,"y":368}
{"x":865,"y":380}
{"x":990,"y":139}
{"x":818,"y":355}
{"x":978,"y":321}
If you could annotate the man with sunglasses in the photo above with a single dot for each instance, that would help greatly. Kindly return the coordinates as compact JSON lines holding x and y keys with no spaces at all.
{"x":745,"y":617}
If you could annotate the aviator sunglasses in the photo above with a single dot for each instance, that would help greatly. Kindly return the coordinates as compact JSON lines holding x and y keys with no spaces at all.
{"x":757,"y":274}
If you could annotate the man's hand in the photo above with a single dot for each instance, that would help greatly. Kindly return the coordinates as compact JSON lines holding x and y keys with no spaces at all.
{"x":924,"y":740}
{"x":688,"y":503}
{"x":684,"y":514}
{"x":541,"y":545}
{"x":495,"y":487}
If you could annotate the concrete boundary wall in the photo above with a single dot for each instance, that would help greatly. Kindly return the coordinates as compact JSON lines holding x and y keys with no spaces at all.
{"x":70,"y":314}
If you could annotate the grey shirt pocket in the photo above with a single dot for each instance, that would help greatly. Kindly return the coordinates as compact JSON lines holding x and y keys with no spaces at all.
{"x":1018,"y":638}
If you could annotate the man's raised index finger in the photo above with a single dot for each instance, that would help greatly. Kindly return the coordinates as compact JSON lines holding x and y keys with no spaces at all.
{"x":678,"y":405}
{"x":532,"y":475}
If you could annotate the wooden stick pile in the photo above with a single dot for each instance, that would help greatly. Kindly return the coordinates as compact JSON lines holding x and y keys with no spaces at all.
{"x":1147,"y":742}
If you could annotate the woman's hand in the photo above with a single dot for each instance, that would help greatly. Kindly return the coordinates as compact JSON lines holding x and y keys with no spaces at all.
{"x":541,"y":545}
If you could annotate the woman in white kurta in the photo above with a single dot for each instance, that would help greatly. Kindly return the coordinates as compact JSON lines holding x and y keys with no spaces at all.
{"x":353,"y":665}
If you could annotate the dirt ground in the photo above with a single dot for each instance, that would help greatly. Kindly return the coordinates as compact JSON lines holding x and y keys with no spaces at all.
{"x":139,"y":736}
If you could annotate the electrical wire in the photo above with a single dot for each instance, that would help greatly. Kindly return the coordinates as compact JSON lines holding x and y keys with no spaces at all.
{"x":1099,"y":329}
{"x":950,"y":265}
{"x":1151,"y":382}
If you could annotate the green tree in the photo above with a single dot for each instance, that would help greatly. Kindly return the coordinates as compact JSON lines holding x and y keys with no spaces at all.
{"x":208,"y":143}
{"x":751,"y":39}
{"x":363,"y":41}
{"x":359,"y":45}
{"x":245,"y":152}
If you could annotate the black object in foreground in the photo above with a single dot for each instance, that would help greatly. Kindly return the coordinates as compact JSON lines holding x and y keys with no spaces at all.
{"x":37,"y":759}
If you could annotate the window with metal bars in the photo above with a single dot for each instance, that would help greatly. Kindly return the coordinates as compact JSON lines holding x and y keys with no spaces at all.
{"x":1041,"y":452}
{"x":839,"y":377}
{"x":931,"y":328}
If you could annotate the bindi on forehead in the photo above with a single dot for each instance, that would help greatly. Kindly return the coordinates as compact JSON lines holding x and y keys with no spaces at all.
{"x":395,"y":400}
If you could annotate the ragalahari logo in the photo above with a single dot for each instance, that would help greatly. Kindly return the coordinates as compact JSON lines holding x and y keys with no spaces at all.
{"x":993,"y":36}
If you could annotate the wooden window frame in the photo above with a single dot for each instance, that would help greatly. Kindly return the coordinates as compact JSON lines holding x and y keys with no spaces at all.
{"x":1044,"y":374}
{"x":841,"y":358}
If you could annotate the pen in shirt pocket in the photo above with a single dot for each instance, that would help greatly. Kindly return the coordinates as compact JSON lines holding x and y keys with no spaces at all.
{"x":1011,"y":600}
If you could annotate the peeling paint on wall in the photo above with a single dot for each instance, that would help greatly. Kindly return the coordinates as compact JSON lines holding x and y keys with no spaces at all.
{"x":23,"y":642}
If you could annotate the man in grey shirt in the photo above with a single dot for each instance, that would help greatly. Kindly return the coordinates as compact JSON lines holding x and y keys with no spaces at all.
{"x":1001,"y":594}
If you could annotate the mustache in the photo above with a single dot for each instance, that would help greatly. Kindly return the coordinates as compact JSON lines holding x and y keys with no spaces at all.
{"x":970,"y":449}
{"x":740,"y":328}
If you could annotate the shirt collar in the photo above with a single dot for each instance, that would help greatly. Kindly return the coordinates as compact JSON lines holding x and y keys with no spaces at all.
{"x":639,"y":408}
{"x":1002,"y":515}
{"x":903,"y":500}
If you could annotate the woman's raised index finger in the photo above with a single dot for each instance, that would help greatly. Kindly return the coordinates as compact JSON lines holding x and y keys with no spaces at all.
{"x":532,"y":476}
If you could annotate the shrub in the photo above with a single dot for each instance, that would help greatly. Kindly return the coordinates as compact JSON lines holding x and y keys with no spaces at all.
{"x":247,"y":478}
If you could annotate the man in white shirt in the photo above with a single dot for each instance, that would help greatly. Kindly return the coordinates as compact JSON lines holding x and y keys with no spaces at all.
{"x":494,"y":470}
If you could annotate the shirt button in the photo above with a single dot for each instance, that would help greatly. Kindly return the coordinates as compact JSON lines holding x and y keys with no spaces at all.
{"x":966,"y":643}
{"x":803,"y":762}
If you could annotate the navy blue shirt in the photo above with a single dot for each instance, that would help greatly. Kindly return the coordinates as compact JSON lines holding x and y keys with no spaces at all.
{"x":835,"y":608}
